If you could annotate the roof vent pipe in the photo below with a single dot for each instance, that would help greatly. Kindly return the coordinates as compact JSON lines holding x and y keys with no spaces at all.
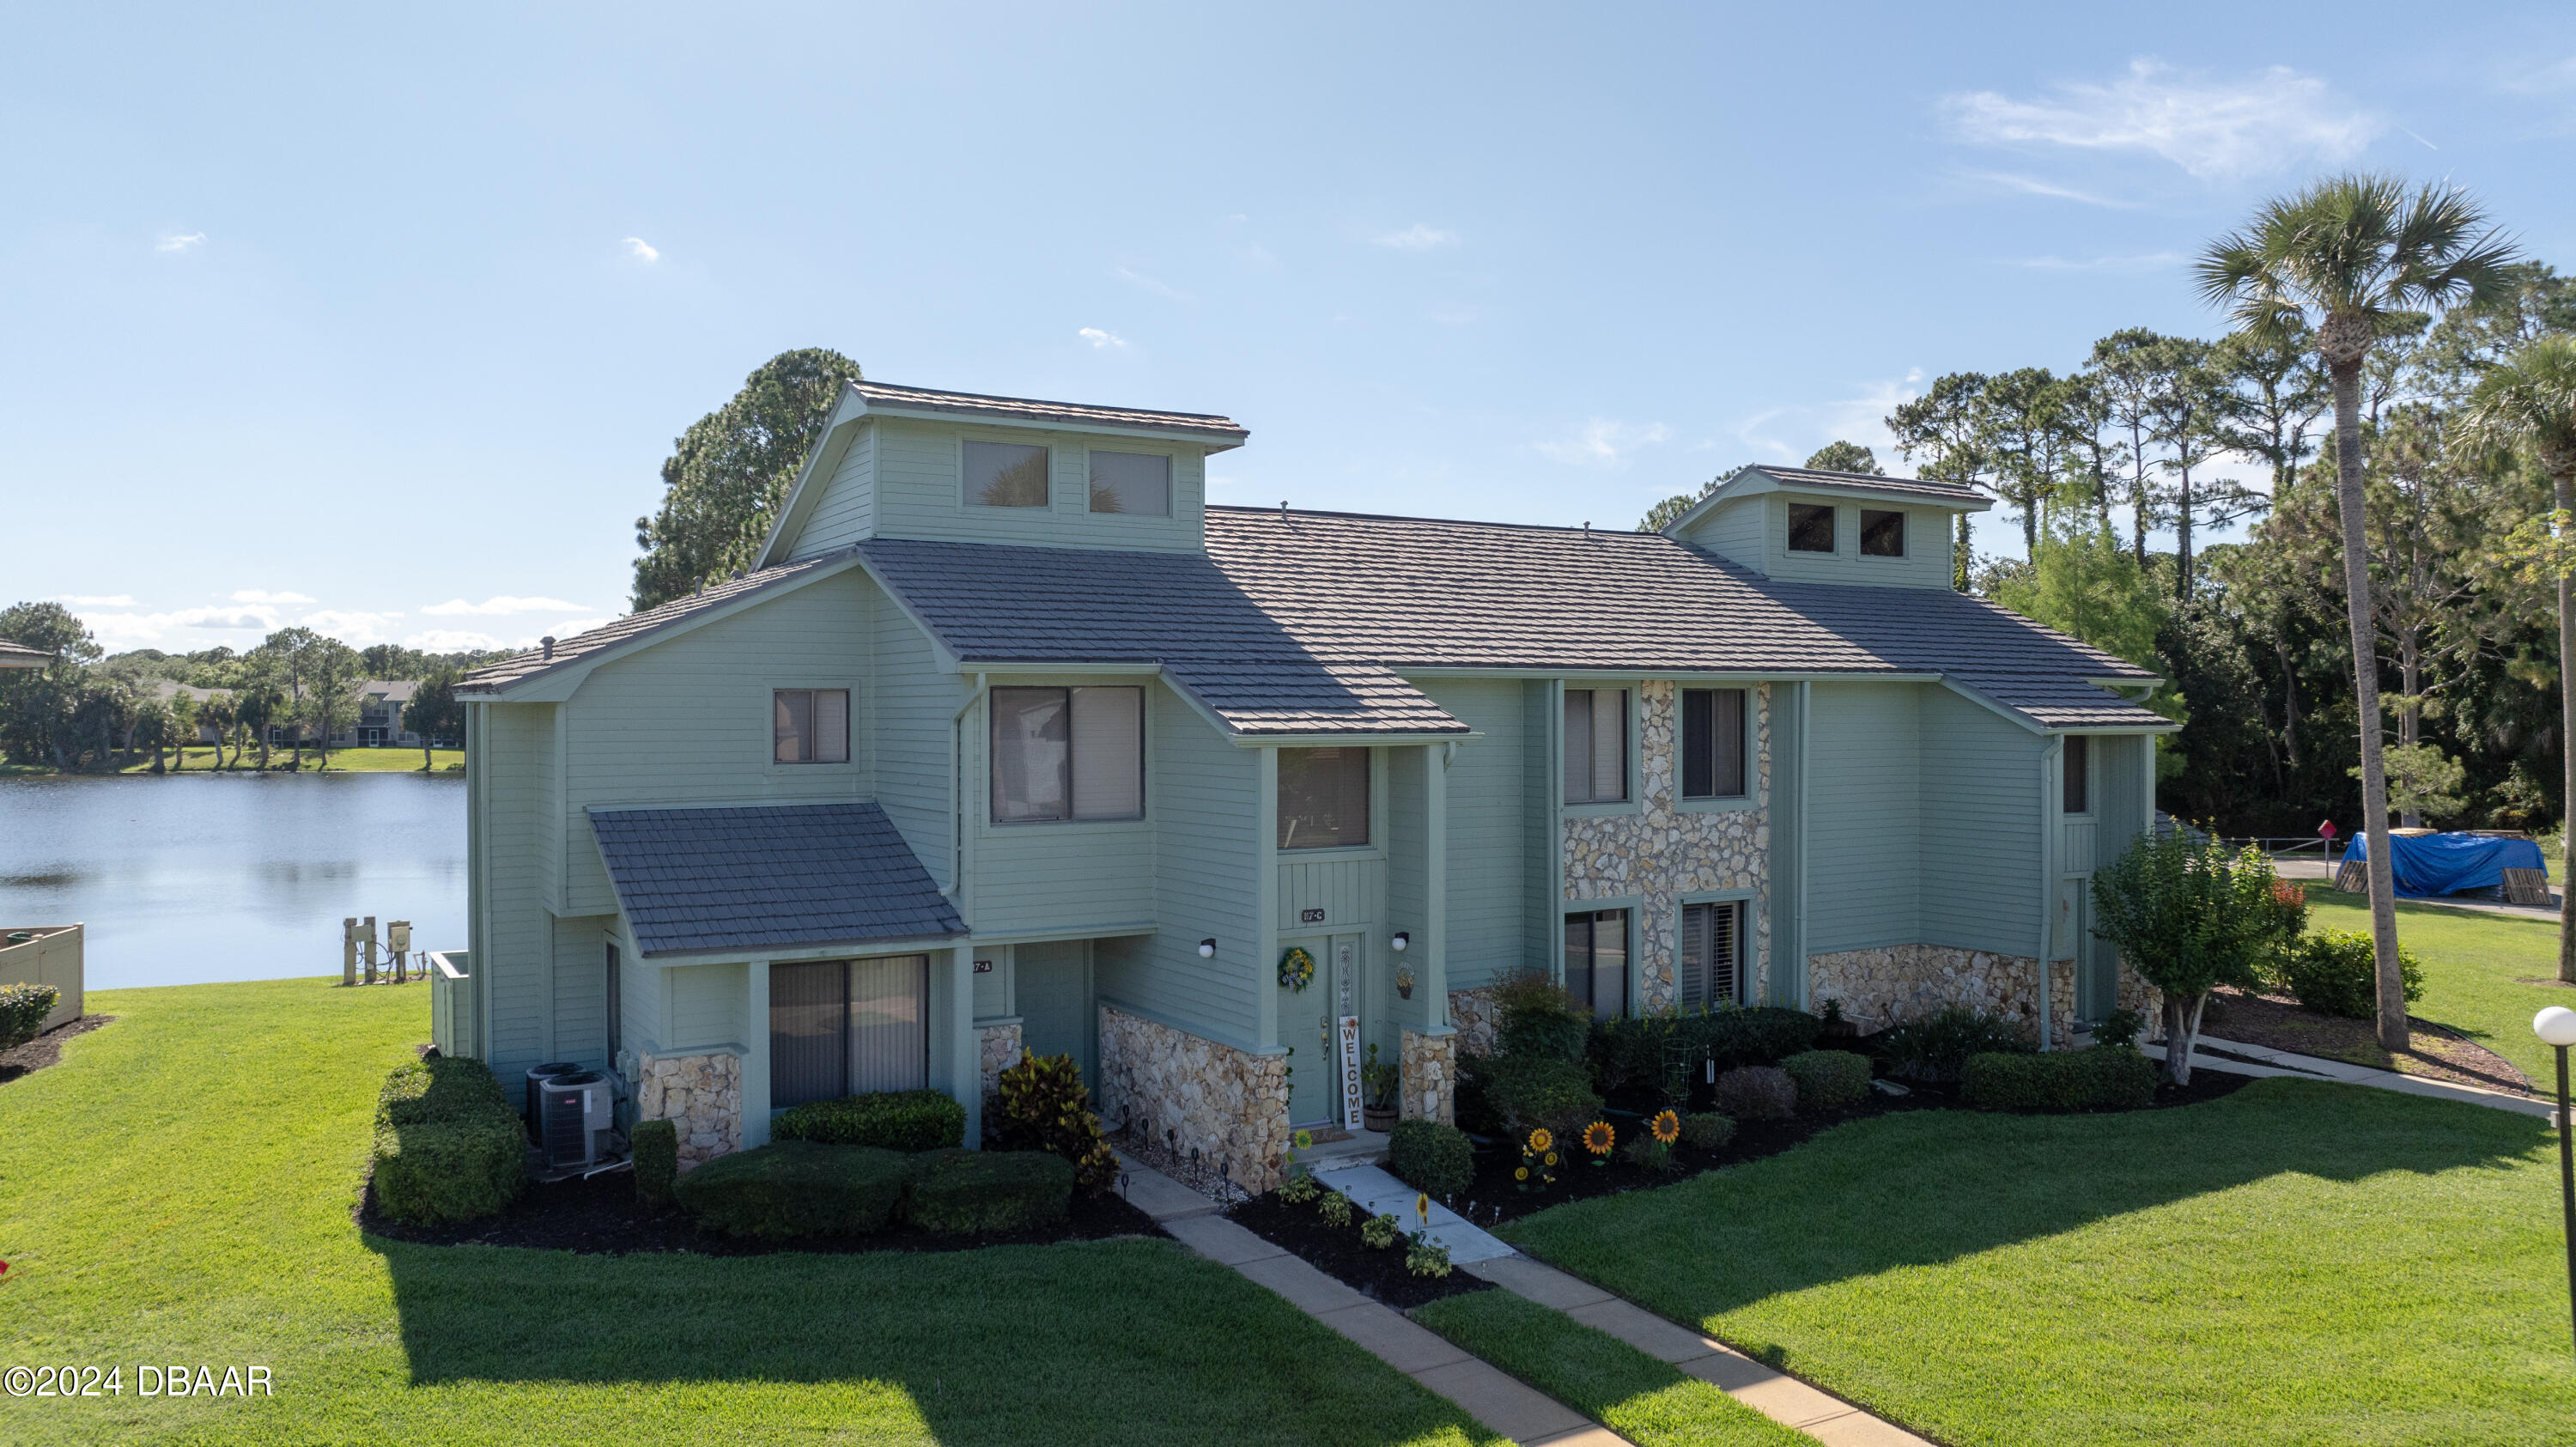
{"x":1283,"y":509}
{"x":548,"y":644}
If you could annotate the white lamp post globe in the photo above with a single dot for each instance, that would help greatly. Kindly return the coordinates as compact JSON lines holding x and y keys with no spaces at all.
{"x":2555,"y":1026}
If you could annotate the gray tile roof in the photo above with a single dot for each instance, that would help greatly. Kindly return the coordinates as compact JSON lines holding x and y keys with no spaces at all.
{"x":1205,"y":425}
{"x":1304,"y":623}
{"x":521,"y":667}
{"x":768,"y":877}
{"x":1811,"y":477}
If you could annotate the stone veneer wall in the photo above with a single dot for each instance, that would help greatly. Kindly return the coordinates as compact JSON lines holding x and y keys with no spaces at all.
{"x":1660,"y":852}
{"x":1472,"y":1014}
{"x":1230,"y":1104}
{"x":999,"y":1048}
{"x":700,"y":1094}
{"x":1430,"y":1080}
{"x":1896,"y":983}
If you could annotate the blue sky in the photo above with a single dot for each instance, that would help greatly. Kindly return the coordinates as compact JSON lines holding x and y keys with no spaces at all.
{"x":385,"y":322}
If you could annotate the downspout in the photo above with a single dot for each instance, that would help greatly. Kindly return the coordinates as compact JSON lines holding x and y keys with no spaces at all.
{"x":1806,"y":766}
{"x":957,"y":794}
{"x":2048,"y":766}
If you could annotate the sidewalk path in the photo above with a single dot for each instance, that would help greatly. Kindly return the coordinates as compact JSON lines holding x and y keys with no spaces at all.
{"x":2282,"y":1062}
{"x":1374,"y":1191}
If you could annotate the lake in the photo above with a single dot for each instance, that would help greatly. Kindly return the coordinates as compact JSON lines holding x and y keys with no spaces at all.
{"x":194,"y":877}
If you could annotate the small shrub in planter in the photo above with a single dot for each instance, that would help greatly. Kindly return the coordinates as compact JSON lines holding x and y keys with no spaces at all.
{"x":1757,"y":1092}
{"x":1045,"y":1107}
{"x":447,"y":1088}
{"x":1431,"y":1157}
{"x":655,"y":1149}
{"x":2104,"y":1077}
{"x":2336,"y":973}
{"x":894,"y":1120}
{"x":1828,"y":1079}
{"x":1708,"y":1130}
{"x":433,"y":1172}
{"x":797,"y":1188}
{"x":23,"y":1009}
{"x":959,"y":1191}
{"x":1936,"y":1048}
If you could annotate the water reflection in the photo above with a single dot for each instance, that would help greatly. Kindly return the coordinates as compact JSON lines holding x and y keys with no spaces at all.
{"x":241,"y":877}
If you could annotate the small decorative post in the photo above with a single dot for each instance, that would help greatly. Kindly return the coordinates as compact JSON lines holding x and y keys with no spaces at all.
{"x":349,"y":950}
{"x":2556,"y":1027}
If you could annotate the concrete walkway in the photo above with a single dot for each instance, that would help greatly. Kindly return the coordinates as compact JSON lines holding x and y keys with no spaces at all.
{"x":1775,"y":1394}
{"x":1374,"y":1191}
{"x":2283,"y":1062}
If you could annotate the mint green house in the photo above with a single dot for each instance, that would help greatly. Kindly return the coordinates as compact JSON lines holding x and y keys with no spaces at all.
{"x":1012,"y":741}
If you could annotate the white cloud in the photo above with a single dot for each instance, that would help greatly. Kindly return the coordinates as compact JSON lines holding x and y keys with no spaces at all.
{"x":89,"y":600}
{"x":188,"y":242}
{"x":357,"y":629}
{"x":262,"y":595}
{"x":1100,"y":340}
{"x":641,"y":250}
{"x":2542,"y":78}
{"x":1604,"y":443}
{"x":2212,"y":128}
{"x":449,"y":640}
{"x":1420,"y":236}
{"x":1142,"y":282}
{"x":179,"y":630}
{"x":2033,"y":186}
{"x":2145,"y":261}
{"x":1793,"y":432}
{"x":496,"y":606}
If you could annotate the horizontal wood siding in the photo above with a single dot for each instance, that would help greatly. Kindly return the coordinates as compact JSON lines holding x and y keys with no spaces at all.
{"x":688,"y":721}
{"x":919,"y":493}
{"x":1543,"y":885}
{"x":1980,"y":851}
{"x":1864,"y":815}
{"x":846,"y":513}
{"x":1926,"y":563}
{"x":708,"y":1006}
{"x":1733,"y":530}
{"x":1205,"y":884}
{"x":2119,"y":792}
{"x":515,"y":962}
{"x":1350,"y":892}
{"x":1491,"y":834}
{"x":581,"y":990}
{"x":910,"y":715}
{"x":1034,"y":877}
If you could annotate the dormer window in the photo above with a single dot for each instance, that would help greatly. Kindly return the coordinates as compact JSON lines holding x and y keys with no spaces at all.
{"x":1136,"y":483}
{"x":1811,"y":527}
{"x":1882,"y":533}
{"x":1005,"y":474}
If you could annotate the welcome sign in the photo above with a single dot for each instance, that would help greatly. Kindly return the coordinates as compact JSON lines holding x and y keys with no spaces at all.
{"x":1350,"y":1053}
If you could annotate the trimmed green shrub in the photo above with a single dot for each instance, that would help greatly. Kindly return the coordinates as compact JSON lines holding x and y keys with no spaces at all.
{"x":1763,"y":1035}
{"x":956,"y":1192}
{"x":1045,"y":1107}
{"x":1431,"y":1157}
{"x":1828,"y":1079}
{"x":1535,"y":1015}
{"x":1521,"y":1092}
{"x":2104,"y":1077}
{"x":1335,"y":1208}
{"x":1936,"y":1048}
{"x":2337,"y":973}
{"x":1707,"y":1130}
{"x":894,"y":1120}
{"x":797,"y":1188}
{"x":23,"y":1009}
{"x":448,"y":1088}
{"x":1757,"y":1092}
{"x":431,"y":1172}
{"x":1377,"y":1233}
{"x":655,"y":1149}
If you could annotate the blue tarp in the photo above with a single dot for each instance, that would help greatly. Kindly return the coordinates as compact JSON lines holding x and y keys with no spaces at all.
{"x":2432,"y":864}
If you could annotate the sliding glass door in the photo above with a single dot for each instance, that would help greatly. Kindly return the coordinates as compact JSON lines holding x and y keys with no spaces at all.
{"x":846,"y":1027}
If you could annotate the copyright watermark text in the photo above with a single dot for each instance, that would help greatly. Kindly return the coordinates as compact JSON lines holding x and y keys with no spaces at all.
{"x":150,"y":1379}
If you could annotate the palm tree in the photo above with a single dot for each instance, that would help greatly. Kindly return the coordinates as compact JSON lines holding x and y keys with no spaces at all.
{"x":2529,"y":400}
{"x":2340,"y":258}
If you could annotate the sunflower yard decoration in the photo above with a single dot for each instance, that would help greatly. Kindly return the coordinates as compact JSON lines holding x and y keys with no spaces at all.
{"x":1667,"y":1127}
{"x":1537,"y":1170}
{"x":1598,"y":1138}
{"x":1296,"y":969}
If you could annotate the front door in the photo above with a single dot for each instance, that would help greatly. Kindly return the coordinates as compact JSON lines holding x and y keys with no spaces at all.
{"x":1052,"y":983}
{"x":1306,"y":1021}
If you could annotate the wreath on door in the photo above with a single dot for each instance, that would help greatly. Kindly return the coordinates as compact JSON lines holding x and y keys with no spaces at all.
{"x":1296,"y":969}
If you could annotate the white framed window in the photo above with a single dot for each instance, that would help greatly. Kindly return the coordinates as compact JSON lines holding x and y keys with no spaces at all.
{"x":1811,"y":527}
{"x":1596,"y":745}
{"x":1006,"y":474}
{"x":809,"y":726}
{"x":848,"y":1027}
{"x":1323,"y":798}
{"x":1138,"y":484}
{"x":1068,"y":753}
{"x":1713,"y":743}
{"x":1711,"y":969}
{"x":1596,"y":960}
{"x":2075,"y":765}
{"x":1882,"y":533}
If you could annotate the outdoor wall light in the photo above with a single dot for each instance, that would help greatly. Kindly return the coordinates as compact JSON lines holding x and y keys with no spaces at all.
{"x":1400,"y":941}
{"x":1207,"y":949}
{"x":2556,"y":1027}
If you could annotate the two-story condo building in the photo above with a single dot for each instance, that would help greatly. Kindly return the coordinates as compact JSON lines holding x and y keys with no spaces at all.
{"x":1011,"y":740}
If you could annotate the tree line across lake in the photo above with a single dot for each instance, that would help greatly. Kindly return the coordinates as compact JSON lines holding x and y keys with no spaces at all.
{"x":296,"y":691}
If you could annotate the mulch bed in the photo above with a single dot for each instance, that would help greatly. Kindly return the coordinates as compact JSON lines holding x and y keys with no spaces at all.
{"x":2437,"y":1052}
{"x":600,"y":1216}
{"x":1340,"y":1254}
{"x":47,"y":1048}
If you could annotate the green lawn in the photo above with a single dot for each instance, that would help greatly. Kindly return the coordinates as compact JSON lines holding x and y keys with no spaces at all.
{"x":1644,"y":1400}
{"x":178,"y":1189}
{"x":2297,"y":1263}
{"x":354,"y":761}
{"x":2475,"y":966}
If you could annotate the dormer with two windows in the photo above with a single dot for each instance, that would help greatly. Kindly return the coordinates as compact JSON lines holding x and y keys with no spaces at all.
{"x":1803,"y":525}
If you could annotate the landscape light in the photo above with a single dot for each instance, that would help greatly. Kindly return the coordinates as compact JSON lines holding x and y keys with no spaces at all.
{"x":2556,"y":1026}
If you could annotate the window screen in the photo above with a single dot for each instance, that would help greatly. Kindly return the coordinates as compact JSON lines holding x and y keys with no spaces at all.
{"x":810,"y":725}
{"x":1596,"y":960}
{"x":1811,"y":527}
{"x":1882,"y":534}
{"x":1713,"y":743}
{"x":2075,"y":765}
{"x":809,"y":1006}
{"x":1068,"y":753}
{"x":1712,"y":971}
{"x":1323,"y":798}
{"x":889,"y":1029}
{"x":1596,"y":745}
{"x":1005,"y":474}
{"x":843,"y":1027}
{"x":1131,"y":482}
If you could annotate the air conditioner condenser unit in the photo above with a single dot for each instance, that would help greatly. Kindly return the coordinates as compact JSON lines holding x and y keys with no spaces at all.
{"x":577,"y":1112}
